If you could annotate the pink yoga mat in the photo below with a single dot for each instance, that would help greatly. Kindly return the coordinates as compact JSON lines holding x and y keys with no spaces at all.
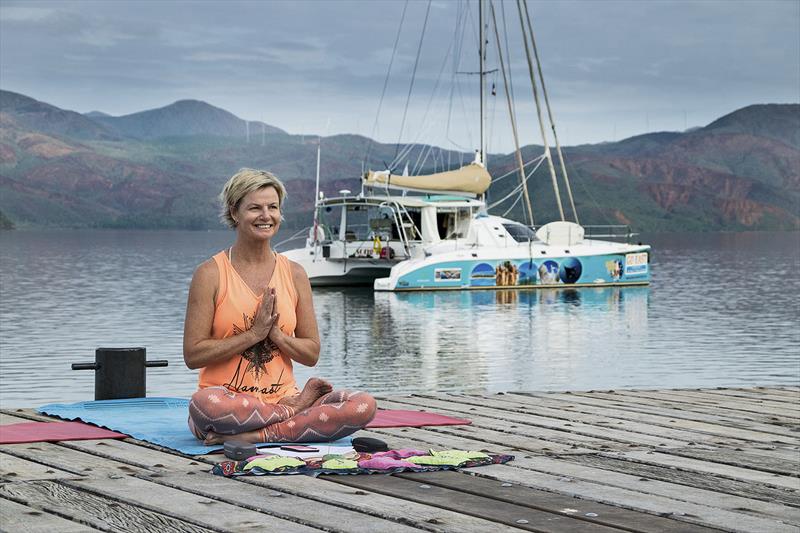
{"x":399,"y":418}
{"x":53,"y":432}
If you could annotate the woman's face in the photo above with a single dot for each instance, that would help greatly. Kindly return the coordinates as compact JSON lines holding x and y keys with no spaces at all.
{"x":259,"y":214}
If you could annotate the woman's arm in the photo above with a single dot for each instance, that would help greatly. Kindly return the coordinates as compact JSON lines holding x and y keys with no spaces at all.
{"x":304,"y":346}
{"x":199,"y":349}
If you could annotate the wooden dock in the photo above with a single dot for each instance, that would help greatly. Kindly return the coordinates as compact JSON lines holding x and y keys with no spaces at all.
{"x":668,"y":460}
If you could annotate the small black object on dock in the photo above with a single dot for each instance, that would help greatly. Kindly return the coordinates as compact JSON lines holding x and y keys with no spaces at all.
{"x":119,"y":372}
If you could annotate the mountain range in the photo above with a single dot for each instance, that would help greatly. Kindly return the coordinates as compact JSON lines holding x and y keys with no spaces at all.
{"x":163,"y":168}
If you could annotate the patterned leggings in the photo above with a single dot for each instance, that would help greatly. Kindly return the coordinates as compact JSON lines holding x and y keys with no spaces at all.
{"x":333,"y":416}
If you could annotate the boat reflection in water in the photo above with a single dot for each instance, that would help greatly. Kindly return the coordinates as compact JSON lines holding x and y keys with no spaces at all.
{"x":481,"y":340}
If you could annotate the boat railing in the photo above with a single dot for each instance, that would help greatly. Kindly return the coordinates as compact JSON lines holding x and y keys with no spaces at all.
{"x":608,"y":231}
{"x":300,"y":235}
{"x":604,"y":231}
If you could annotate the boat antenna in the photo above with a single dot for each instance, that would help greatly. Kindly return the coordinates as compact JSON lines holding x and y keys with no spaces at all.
{"x":539,"y":111}
{"x":482,"y":76}
{"x":510,"y":101}
{"x":550,"y":115}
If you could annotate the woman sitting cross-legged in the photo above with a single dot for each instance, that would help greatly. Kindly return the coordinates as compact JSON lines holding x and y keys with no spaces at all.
{"x":250,"y":315}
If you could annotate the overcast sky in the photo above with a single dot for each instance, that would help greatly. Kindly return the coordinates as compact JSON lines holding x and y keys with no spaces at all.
{"x":612,"y":68}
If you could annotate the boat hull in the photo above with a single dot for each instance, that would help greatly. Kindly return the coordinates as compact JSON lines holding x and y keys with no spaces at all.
{"x":627,"y":265}
{"x":326,"y":272}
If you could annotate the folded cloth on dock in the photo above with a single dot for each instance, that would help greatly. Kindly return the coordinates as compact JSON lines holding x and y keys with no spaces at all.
{"x":400,"y":418}
{"x":161,"y":421}
{"x":53,"y":432}
{"x":389,"y":462}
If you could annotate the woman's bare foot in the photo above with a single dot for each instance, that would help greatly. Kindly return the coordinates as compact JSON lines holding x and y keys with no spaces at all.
{"x":248,"y":436}
{"x":315,"y":388}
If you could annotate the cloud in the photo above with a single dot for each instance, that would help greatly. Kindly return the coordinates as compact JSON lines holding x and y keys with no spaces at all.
{"x":24,"y":13}
{"x":296,"y":63}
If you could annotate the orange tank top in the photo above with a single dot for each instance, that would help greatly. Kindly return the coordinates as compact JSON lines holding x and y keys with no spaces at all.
{"x":261,"y":370}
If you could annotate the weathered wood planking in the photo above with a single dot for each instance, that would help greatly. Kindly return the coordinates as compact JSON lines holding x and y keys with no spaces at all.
{"x":18,"y":518}
{"x":678,"y":460}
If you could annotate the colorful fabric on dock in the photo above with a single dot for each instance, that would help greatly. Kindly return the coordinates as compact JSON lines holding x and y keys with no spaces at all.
{"x":160,"y":421}
{"x":53,"y":432}
{"x":360,"y":463}
{"x":400,"y":418}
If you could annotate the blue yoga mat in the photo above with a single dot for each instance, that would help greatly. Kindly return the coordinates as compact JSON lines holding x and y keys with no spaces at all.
{"x":160,"y":421}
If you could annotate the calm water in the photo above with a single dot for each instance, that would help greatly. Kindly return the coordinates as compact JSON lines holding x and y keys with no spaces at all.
{"x":722,"y":310}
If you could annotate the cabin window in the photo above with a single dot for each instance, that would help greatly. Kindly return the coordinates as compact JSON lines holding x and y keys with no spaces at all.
{"x":520,"y":233}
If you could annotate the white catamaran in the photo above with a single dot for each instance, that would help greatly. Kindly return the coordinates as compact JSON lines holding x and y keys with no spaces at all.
{"x":426,"y":232}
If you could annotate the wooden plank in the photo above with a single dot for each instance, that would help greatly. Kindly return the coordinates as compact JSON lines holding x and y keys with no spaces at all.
{"x":6,"y":419}
{"x":209,"y":512}
{"x":313,"y":491}
{"x":506,"y":514}
{"x":606,"y":412}
{"x":13,"y":468}
{"x":744,"y":459}
{"x":29,"y":415}
{"x":70,"y":460}
{"x":669,"y":482}
{"x":688,"y":399}
{"x":689,"y":464}
{"x":792,"y":398}
{"x":127,"y":452}
{"x":591,"y":512}
{"x":645,"y":425}
{"x":792,"y":392}
{"x":693,"y":513}
{"x":97,"y":511}
{"x":530,"y":424}
{"x":417,"y":514}
{"x":681,"y":482}
{"x":707,"y":488}
{"x":18,"y":518}
{"x":669,"y":408}
{"x":283,"y":505}
{"x":537,"y":439}
{"x":737,"y":403}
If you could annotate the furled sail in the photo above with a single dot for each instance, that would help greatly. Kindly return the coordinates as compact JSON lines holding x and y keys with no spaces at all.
{"x":472,"y":178}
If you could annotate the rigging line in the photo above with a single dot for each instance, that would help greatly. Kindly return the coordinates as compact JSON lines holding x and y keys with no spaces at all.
{"x":507,"y":211}
{"x":550,"y":166}
{"x":383,"y":92}
{"x":459,"y":40}
{"x":594,"y":201}
{"x":508,"y":54}
{"x":438,"y":81}
{"x":512,"y":116}
{"x":518,"y":188}
{"x":513,"y":170}
{"x":413,"y":77}
{"x":550,"y":115}
{"x":431,"y":99}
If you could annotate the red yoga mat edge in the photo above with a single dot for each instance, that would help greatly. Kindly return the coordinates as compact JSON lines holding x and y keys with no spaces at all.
{"x":401,"y":418}
{"x":53,"y":432}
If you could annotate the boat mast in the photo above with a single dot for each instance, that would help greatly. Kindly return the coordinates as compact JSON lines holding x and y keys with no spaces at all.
{"x":539,"y":112}
{"x":482,"y":52}
{"x":550,"y":115}
{"x":316,"y":194}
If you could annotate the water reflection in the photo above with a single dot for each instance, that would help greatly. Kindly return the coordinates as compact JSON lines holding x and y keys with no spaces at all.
{"x":713,"y":316}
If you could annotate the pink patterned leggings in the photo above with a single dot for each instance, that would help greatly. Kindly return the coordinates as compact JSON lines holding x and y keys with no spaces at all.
{"x":333,"y":416}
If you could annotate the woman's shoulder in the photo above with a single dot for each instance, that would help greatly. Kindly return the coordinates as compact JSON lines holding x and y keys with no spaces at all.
{"x":296,"y":269}
{"x":207,"y":271}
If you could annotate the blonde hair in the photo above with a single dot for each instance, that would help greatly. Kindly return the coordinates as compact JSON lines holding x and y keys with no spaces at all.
{"x":243,"y":183}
